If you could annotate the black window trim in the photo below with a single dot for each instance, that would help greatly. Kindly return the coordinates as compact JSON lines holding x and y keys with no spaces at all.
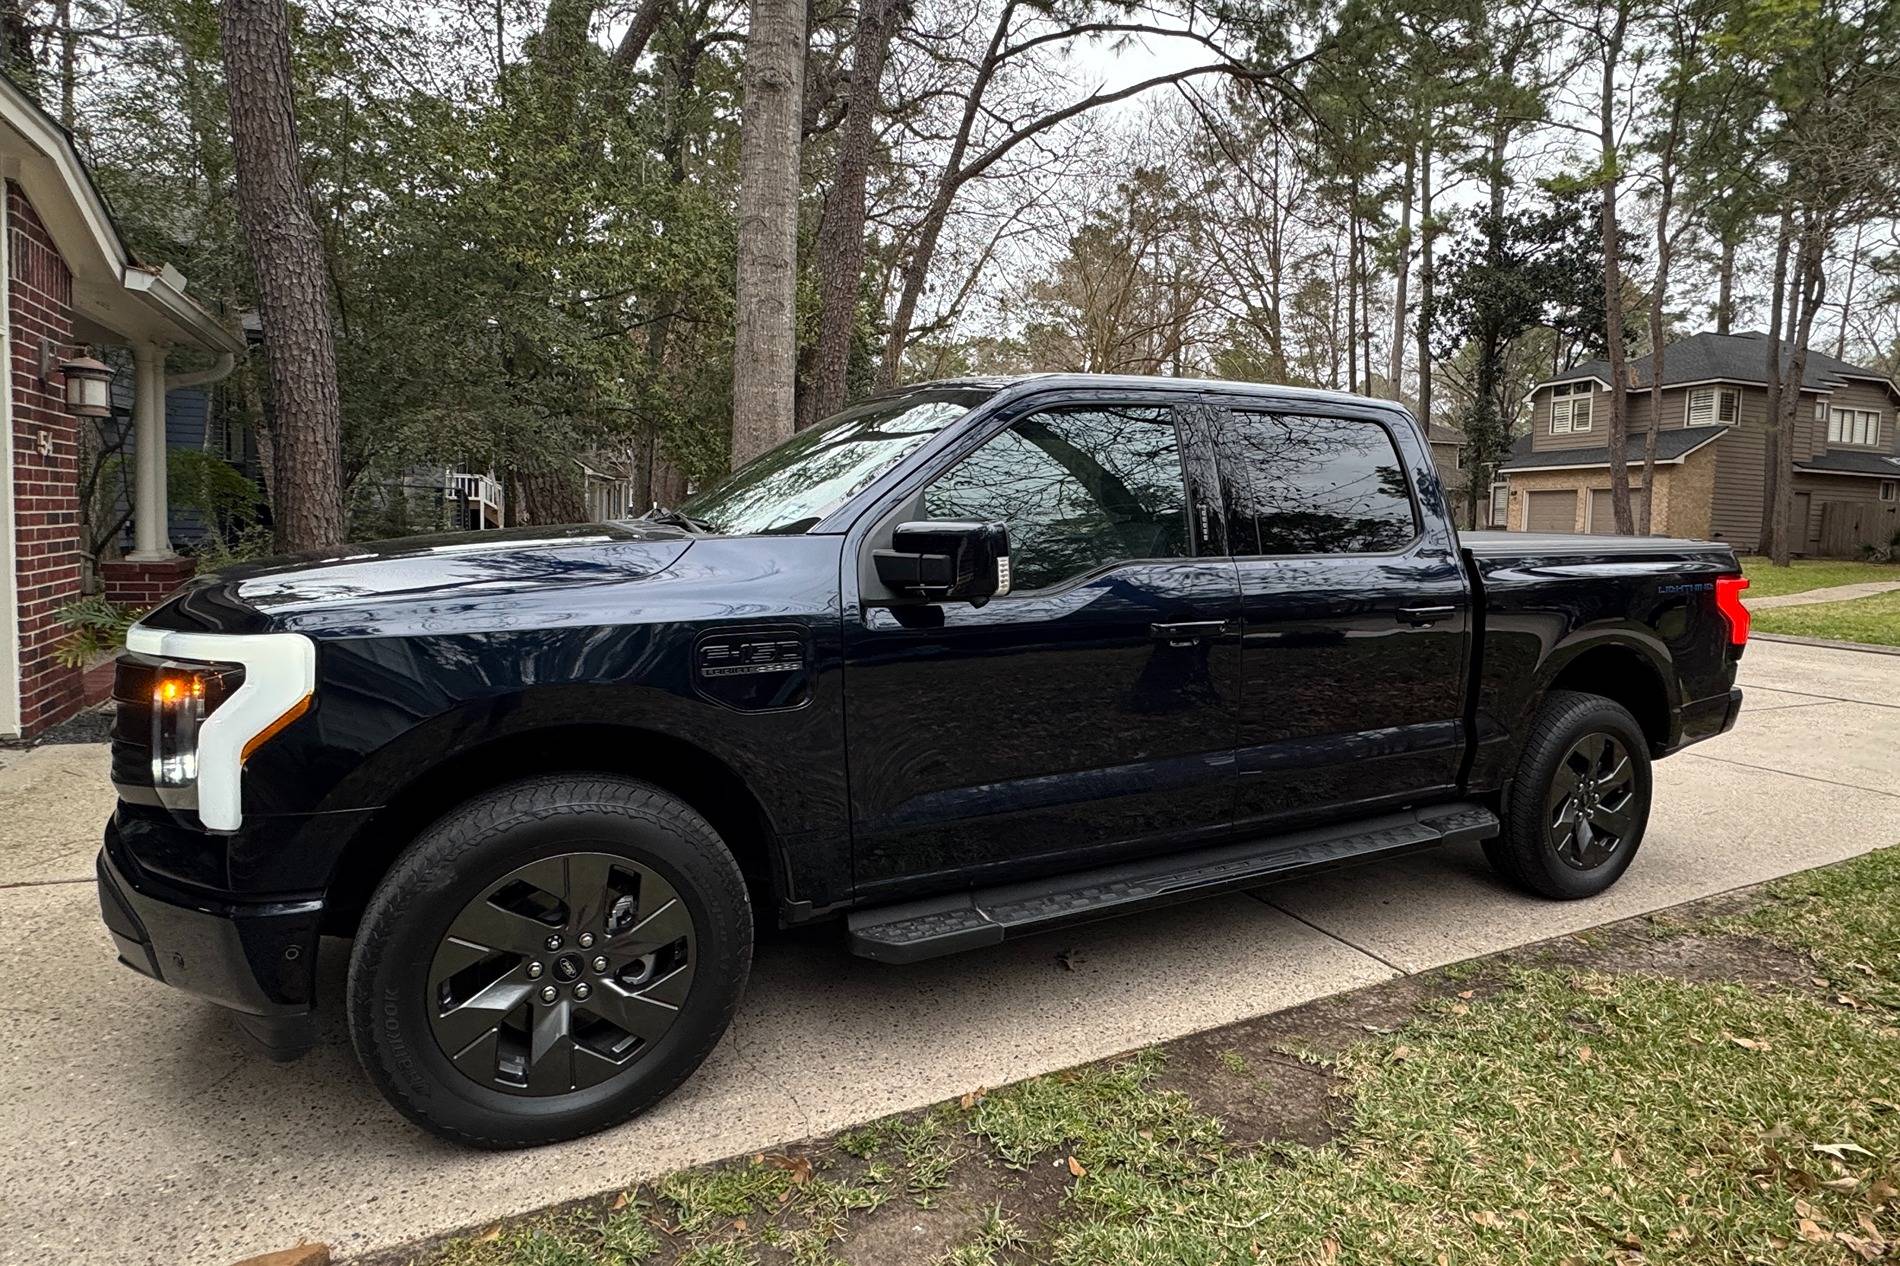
{"x":1290,"y":408}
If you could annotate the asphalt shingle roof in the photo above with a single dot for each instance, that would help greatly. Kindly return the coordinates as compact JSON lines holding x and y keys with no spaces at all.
{"x":1841,"y":461}
{"x":1736,"y":357}
{"x":1670,"y":444}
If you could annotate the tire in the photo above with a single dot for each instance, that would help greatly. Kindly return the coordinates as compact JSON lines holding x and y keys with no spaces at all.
{"x":610,"y":894}
{"x":1562,"y":777}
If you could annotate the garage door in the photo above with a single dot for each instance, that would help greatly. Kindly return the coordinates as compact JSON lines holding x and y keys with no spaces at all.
{"x":1603,"y":511}
{"x":1550,"y":511}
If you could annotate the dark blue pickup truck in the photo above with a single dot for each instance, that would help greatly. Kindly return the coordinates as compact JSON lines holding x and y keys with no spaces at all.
{"x":969,"y":661}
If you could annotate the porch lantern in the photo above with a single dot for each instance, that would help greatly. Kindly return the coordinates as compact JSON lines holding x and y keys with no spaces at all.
{"x":88,"y":387}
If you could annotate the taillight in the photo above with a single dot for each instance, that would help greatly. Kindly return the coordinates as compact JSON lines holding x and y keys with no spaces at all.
{"x":1728,"y":600}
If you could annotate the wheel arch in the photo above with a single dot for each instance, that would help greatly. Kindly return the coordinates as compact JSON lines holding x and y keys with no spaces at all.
{"x":697,"y":776}
{"x":1627,"y":669}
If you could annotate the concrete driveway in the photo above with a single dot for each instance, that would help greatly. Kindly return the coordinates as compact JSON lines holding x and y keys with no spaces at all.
{"x":139,"y":1128}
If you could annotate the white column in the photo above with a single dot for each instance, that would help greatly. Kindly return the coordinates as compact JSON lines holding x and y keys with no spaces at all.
{"x":151,"y":507}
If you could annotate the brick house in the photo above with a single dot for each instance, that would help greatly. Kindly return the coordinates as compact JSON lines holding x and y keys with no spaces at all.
{"x":1711,"y":448}
{"x":70,"y":285}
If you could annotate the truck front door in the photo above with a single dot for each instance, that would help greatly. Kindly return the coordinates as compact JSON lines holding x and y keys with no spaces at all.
{"x":1087,"y":714}
{"x":1357,"y":614}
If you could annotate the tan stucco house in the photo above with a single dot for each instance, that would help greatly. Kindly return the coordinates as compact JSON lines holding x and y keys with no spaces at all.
{"x":1711,"y":447}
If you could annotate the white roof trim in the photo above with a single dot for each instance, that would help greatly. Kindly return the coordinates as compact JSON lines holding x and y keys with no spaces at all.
{"x":1715,"y":433}
{"x":1678,"y":386}
{"x":1799,"y":469}
{"x":1558,"y":382}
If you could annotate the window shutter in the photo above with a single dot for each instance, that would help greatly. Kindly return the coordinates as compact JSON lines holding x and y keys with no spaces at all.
{"x":1701,"y":407}
{"x":1580,"y":413}
{"x":1560,"y":417}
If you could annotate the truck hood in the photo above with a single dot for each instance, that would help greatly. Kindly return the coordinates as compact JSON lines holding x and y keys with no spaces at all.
{"x":458,"y":568}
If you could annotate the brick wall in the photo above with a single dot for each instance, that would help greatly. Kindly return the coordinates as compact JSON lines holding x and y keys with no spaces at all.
{"x":144,"y":584}
{"x":45,"y":466}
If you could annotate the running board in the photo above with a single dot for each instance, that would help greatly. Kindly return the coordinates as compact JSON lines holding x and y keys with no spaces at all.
{"x":916,"y":930}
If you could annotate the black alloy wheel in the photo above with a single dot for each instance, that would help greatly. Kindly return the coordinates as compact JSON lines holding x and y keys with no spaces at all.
{"x":1592,"y":802}
{"x":561,"y":974}
{"x":548,"y":959}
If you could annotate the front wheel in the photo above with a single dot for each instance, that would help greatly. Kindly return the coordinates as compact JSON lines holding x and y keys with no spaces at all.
{"x":548,"y":960}
{"x":1579,"y":802}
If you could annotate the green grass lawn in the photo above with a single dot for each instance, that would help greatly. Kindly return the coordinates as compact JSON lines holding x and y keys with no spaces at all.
{"x":1874,"y":621}
{"x":1561,"y":1110}
{"x":1765,"y":580}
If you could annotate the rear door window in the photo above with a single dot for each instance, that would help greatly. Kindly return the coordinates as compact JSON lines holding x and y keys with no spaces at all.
{"x":1308,"y":484}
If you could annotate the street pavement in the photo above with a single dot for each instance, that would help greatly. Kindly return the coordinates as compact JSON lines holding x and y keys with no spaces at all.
{"x":136,"y":1125}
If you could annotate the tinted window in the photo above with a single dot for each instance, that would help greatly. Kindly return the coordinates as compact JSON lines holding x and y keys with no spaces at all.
{"x":1079,"y":488}
{"x":1312,"y":485}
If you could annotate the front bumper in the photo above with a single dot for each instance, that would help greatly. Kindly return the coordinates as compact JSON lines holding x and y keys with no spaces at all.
{"x":256,"y":959}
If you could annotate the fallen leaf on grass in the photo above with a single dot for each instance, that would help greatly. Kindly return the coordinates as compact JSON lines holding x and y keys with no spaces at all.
{"x":1747,"y":1043}
{"x":799,"y":1167}
{"x":1585,"y":1054}
{"x":1839,"y":1150}
{"x":1881,"y":1192}
{"x":1484,"y":1217}
{"x":621,"y":1201}
{"x":1399,"y":1054}
{"x":1808,"y":1230}
{"x":973,"y":1098}
{"x":489,"y":1236}
{"x":1077,"y":1168}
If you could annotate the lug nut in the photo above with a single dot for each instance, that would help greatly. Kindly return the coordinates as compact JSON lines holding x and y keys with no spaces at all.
{"x":534,"y":971}
{"x":553,"y":943}
{"x":587,"y":940}
{"x":600,"y":963}
{"x":581,"y":990}
{"x":549,"y":993}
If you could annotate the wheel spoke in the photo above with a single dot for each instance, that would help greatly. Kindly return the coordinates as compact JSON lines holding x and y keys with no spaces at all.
{"x":589,"y":895}
{"x":463,"y":1023}
{"x":663,"y":926}
{"x":551,"y":1051}
{"x":644,"y":1017}
{"x":1619,"y":821}
{"x":484,"y":923}
{"x":1590,"y":748}
{"x":1620,"y":776}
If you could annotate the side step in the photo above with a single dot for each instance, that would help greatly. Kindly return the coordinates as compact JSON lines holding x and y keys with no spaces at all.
{"x":915,"y":930}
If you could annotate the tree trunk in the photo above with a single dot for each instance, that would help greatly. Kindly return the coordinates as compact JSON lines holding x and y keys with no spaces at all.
{"x":765,"y":344}
{"x":1658,"y":302}
{"x":1402,"y":276}
{"x":1427,"y":279}
{"x":1777,"y":462}
{"x":1613,"y":288}
{"x":547,"y":497}
{"x":840,"y":249}
{"x":286,"y":251}
{"x":1725,"y":285}
{"x":1805,"y":288}
{"x":1847,"y":295}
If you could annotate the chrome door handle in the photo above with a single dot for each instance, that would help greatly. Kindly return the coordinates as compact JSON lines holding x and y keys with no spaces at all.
{"x":1425,"y":615}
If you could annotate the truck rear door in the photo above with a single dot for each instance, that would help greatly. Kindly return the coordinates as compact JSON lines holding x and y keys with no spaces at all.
{"x":1356,"y":611}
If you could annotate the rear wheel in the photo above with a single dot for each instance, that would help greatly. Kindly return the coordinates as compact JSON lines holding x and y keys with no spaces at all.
{"x":1580,"y":800}
{"x":549,"y":960}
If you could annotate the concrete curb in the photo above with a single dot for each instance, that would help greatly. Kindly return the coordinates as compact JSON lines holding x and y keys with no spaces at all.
{"x":1824,"y":642}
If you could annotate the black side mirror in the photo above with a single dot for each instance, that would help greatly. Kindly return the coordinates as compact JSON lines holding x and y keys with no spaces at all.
{"x":946,"y":562}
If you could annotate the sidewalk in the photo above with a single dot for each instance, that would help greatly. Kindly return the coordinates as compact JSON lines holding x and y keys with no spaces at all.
{"x":1833,"y":593}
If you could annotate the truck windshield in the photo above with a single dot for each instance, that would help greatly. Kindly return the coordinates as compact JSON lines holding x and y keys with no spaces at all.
{"x":790,"y":488}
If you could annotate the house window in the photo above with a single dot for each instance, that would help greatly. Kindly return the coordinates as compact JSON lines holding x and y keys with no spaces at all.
{"x":1500,"y":504}
{"x":1853,"y":426}
{"x":1569,"y":408}
{"x":1887,"y":489}
{"x":1714,"y":406}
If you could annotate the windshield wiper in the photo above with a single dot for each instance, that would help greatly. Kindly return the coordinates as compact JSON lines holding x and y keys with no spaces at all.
{"x":674,"y":518}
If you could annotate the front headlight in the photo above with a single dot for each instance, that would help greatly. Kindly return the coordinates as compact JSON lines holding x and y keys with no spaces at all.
{"x":183,"y":695}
